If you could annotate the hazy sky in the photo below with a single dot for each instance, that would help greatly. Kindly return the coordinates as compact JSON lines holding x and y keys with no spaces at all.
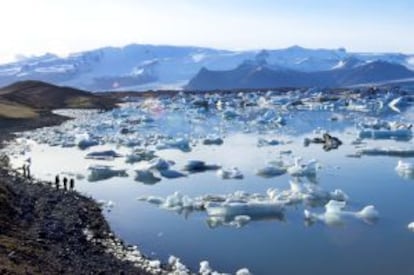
{"x":61,"y":26}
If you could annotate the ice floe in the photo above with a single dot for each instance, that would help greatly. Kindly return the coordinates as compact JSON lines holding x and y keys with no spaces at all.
{"x":335,"y":215}
{"x":103,"y":155}
{"x":299,"y":169}
{"x":103,"y":172}
{"x":233,"y":173}
{"x":387,"y":151}
{"x":197,"y":166}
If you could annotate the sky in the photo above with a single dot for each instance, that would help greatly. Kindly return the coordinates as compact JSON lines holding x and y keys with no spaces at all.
{"x":34,"y":27}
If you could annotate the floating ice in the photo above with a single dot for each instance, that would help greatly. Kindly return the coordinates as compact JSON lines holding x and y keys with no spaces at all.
{"x":250,"y":208}
{"x":177,"y":267}
{"x":299,"y":169}
{"x":213,"y":141}
{"x":243,"y":271}
{"x":146,"y":177}
{"x":268,"y":142}
{"x":405,"y":169}
{"x":334,"y":214}
{"x":140,"y":155}
{"x":103,"y":172}
{"x":196,"y":166}
{"x":182,"y":144}
{"x":171,"y":174}
{"x":103,"y":155}
{"x":378,"y":129}
{"x":86,"y":143}
{"x":411,"y":226}
{"x":273,"y":169}
{"x":387,"y":151}
{"x":399,"y":134}
{"x":233,"y":173}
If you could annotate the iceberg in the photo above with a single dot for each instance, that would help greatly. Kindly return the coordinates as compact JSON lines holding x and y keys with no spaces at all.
{"x":334,"y":214}
{"x":303,"y":170}
{"x":103,"y":155}
{"x":103,"y":172}
{"x":140,"y":155}
{"x":197,"y":166}
{"x":250,"y":208}
{"x":233,"y":173}
{"x":171,"y":174}
{"x":146,"y":177}
{"x":387,"y":151}
{"x":213,"y":141}
{"x":181,"y":144}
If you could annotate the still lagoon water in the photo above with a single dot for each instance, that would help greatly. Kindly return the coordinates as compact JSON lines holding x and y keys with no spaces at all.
{"x":252,"y":137}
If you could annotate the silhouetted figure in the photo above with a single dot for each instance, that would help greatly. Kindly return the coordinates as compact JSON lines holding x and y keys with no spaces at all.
{"x":65,"y":183}
{"x":71,"y":184}
{"x":24,"y":171}
{"x":57,"y":183}
{"x":28,"y":171}
{"x":57,"y":180}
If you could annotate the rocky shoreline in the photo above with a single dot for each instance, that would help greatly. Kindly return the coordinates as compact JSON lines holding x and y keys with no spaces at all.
{"x":49,"y":231}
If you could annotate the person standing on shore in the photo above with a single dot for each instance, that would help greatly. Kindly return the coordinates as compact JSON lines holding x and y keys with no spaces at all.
{"x":71,"y":184}
{"x":65,"y":183}
{"x":24,"y":170}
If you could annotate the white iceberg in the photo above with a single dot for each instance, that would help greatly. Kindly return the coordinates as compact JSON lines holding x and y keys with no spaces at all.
{"x":299,"y":169}
{"x":103,"y":172}
{"x":233,"y":173}
{"x":334,"y":214}
{"x":181,"y":144}
{"x":146,"y":177}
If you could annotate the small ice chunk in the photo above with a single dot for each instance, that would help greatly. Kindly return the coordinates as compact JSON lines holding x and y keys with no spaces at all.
{"x":171,"y":174}
{"x":368,"y":213}
{"x":233,"y":173}
{"x":267,"y":142}
{"x":103,"y":172}
{"x":154,"y":264}
{"x":411,"y":226}
{"x":213,"y":141}
{"x":181,"y":144}
{"x":387,"y":151}
{"x":334,"y":214}
{"x":243,"y":271}
{"x":205,"y":268}
{"x":146,"y":177}
{"x":195,"y":166}
{"x":302,"y":170}
{"x":103,"y":155}
{"x":272,"y":170}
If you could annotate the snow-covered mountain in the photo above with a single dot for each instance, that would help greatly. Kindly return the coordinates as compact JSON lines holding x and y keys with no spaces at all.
{"x":143,"y":67}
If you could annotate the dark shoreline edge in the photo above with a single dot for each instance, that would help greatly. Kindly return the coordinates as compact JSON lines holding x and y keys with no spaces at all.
{"x":49,"y":231}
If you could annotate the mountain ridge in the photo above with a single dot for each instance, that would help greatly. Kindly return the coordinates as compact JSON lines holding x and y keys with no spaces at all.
{"x":144,"y":66}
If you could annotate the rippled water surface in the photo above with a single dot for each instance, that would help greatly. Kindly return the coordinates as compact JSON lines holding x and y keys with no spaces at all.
{"x":271,"y":244}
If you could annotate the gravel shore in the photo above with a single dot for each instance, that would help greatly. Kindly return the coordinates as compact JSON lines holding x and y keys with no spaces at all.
{"x":49,"y":231}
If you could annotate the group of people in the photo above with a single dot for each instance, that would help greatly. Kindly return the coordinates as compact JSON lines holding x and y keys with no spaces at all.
{"x":26,"y":171}
{"x":65,"y":183}
{"x":68,"y":184}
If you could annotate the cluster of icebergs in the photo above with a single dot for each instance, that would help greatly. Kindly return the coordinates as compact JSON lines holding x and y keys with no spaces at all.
{"x":239,"y":208}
